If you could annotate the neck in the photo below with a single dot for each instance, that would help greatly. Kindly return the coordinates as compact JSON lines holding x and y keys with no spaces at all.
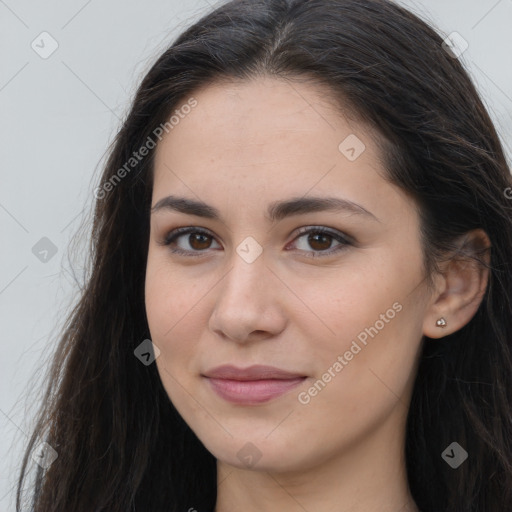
{"x":369,"y":477}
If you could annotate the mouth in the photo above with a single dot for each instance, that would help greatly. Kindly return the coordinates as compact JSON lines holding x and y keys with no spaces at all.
{"x":254,"y":385}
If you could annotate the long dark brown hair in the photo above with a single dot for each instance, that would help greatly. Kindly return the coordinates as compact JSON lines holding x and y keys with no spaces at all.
{"x":121,"y":444}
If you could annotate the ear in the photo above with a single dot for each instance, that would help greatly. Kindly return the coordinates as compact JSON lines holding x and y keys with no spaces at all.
{"x":460,"y":286}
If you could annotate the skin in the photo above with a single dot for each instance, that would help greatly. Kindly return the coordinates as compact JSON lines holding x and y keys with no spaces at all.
{"x":245,"y":145}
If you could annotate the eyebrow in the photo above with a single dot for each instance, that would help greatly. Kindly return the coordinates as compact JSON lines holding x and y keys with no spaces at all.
{"x":277,"y":210}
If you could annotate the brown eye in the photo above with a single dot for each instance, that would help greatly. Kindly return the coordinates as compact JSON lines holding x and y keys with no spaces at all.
{"x":320,"y":240}
{"x":199,"y":241}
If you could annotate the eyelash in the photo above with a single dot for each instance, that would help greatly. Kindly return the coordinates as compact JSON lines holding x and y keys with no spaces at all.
{"x":173,"y":235}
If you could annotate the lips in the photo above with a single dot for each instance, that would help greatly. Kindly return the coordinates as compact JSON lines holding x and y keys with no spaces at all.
{"x":256,"y":372}
{"x":253,"y":385}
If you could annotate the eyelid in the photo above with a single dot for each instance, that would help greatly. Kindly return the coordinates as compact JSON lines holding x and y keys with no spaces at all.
{"x":328,"y":231}
{"x":175,"y":233}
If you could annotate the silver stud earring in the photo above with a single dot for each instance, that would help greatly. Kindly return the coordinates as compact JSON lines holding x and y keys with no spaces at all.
{"x":441,"y":322}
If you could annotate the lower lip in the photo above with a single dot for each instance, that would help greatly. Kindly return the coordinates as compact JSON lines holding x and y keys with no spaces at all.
{"x":253,"y":391}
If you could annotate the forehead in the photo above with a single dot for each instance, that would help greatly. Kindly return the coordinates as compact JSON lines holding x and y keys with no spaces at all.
{"x":268,"y":138}
{"x":248,"y":122}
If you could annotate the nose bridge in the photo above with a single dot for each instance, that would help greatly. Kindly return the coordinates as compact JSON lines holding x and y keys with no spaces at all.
{"x":245,"y":302}
{"x":248,"y":271}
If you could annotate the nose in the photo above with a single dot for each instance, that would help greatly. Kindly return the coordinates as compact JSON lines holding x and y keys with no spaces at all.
{"x":248,"y":303}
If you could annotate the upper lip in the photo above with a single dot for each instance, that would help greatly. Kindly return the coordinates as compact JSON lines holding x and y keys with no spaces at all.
{"x":256,"y":372}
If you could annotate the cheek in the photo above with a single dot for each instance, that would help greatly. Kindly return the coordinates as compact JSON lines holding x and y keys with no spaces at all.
{"x":358,"y":383}
{"x":367,"y":334}
{"x":335,"y":309}
{"x":166,"y":308}
{"x":168,"y":297}
{"x":170,"y":314}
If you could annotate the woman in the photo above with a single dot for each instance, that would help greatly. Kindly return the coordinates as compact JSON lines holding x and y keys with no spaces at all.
{"x":301,"y":287}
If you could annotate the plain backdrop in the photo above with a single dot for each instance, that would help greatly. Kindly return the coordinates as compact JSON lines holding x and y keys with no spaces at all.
{"x":59,"y":113}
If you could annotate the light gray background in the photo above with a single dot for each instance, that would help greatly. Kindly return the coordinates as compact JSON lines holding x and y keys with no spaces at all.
{"x":58,"y":116}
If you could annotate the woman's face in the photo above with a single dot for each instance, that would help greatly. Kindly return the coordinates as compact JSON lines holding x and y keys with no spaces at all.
{"x":256,"y":282}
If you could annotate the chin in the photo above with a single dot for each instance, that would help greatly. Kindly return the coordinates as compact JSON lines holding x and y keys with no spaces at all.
{"x":257,"y":452}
